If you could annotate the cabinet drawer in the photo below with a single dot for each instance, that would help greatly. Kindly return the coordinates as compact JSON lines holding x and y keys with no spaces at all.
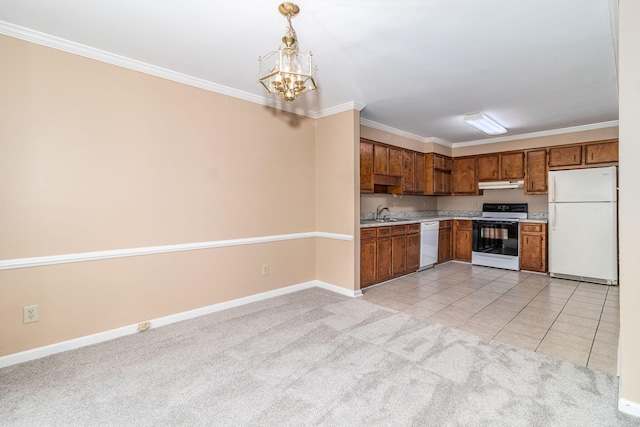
{"x":367,"y":234}
{"x":384,"y":231}
{"x":445,"y":224}
{"x":399,"y":230}
{"x":413,"y":228}
{"x":462,"y":223}
{"x":531,"y":227}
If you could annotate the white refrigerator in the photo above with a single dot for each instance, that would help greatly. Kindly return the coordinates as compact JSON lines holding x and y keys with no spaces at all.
{"x":583,"y":231}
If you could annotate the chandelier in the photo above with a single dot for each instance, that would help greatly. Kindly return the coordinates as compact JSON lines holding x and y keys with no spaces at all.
{"x":286,"y":71}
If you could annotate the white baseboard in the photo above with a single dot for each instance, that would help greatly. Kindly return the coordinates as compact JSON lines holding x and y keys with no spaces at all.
{"x":37,"y":353}
{"x":629,"y":407}
{"x":338,"y":289}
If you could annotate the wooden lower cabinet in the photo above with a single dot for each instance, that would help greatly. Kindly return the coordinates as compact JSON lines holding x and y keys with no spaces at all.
{"x":533,"y":247}
{"x":462,"y":240}
{"x":444,"y":241}
{"x":413,"y":247}
{"x":387,"y":252}
{"x":383,"y":254}
{"x":398,"y":250}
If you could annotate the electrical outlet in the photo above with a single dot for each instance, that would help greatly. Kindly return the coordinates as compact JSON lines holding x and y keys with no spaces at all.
{"x":30,"y":314}
{"x":265,"y":270}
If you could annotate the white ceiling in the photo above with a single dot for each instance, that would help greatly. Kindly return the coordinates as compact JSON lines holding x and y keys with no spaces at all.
{"x":418,"y":66}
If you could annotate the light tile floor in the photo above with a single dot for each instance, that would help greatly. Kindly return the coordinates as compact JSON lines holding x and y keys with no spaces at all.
{"x":569,"y":320}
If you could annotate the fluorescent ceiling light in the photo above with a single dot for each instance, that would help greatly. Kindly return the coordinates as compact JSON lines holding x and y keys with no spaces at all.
{"x":484,"y":123}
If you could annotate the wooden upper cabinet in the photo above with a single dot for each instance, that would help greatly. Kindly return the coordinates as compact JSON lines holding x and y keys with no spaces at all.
{"x":395,"y":161}
{"x":464,"y":175}
{"x":512,"y":165}
{"x":408,"y":171}
{"x":536,"y":172}
{"x":601,"y":152}
{"x":488,"y":167}
{"x":420,"y":173}
{"x":437,"y":174}
{"x":501,"y":166}
{"x":380,"y":159}
{"x":387,"y":160}
{"x":366,"y":167}
{"x":586,"y":155}
{"x":565,"y":156}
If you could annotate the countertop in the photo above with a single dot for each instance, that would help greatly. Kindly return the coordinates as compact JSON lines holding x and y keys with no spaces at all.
{"x":365,"y":223}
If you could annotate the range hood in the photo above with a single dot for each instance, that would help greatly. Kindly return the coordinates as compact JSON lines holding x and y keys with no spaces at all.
{"x":500,"y":185}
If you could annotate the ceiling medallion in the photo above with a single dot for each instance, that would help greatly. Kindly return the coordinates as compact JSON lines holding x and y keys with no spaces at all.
{"x":286,"y":71}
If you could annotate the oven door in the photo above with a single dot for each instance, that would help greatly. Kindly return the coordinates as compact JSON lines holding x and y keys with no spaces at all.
{"x":495,"y":243}
{"x":495,"y":237}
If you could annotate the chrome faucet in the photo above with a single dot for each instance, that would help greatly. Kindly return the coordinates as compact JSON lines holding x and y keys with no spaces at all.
{"x":379,"y":211}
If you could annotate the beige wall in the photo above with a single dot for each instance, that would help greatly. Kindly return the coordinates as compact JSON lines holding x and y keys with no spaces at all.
{"x":537,"y":203}
{"x":337,"y":188}
{"x":97,"y":157}
{"x":406,"y":203}
{"x":629,"y":204}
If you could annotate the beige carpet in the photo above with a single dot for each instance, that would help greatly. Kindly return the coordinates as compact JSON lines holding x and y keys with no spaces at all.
{"x":308,"y":358}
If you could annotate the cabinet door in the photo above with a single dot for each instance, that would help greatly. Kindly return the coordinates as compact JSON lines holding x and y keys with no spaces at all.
{"x":488,"y":167}
{"x":565,"y":156}
{"x":383,"y":259}
{"x":536,"y":172}
{"x":399,"y":255}
{"x":512,"y":165}
{"x":419,"y":174}
{"x":380,"y":160}
{"x":413,"y":252}
{"x":366,"y":167}
{"x":462,"y":240}
{"x":601,"y":152}
{"x":444,"y":245}
{"x":367,"y":263}
{"x":533,"y":247}
{"x":395,"y":162}
{"x":408,"y":174}
{"x":464,"y":176}
{"x":442,"y":162}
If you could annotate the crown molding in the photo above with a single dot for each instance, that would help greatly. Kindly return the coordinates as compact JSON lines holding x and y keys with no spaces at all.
{"x":349,"y":106}
{"x":551,"y":132}
{"x":408,"y":135}
{"x":43,"y":39}
{"x":68,"y":46}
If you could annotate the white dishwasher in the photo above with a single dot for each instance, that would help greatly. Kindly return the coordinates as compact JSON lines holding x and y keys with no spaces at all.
{"x":428,"y":244}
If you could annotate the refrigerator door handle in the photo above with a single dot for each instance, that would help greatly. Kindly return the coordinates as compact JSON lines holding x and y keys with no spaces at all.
{"x":552,"y":195}
{"x":553,"y":217}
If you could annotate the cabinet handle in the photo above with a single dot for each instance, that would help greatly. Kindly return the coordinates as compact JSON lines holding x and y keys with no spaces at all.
{"x":591,"y":156}
{"x":574,"y":157}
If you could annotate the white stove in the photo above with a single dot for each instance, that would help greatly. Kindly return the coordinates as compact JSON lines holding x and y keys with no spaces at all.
{"x":496,"y":235}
